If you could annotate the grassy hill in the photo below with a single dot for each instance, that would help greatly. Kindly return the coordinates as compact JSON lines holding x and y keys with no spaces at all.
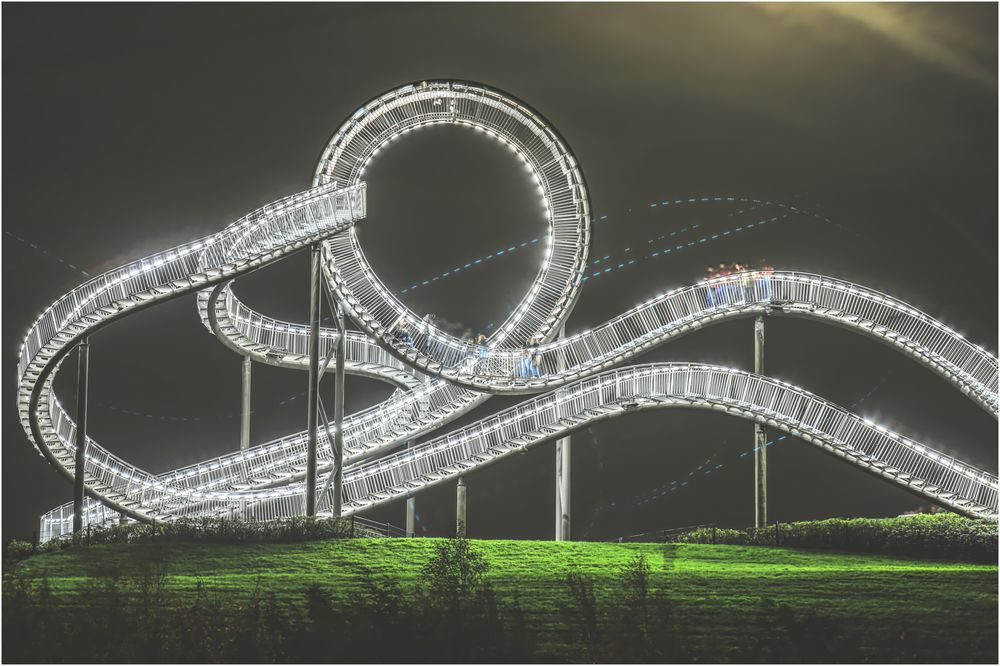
{"x":725,"y":599}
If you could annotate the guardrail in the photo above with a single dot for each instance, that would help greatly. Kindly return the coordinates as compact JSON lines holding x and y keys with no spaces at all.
{"x":664,"y":535}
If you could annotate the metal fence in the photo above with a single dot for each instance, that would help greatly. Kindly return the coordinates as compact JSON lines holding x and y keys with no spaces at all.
{"x":662,"y":536}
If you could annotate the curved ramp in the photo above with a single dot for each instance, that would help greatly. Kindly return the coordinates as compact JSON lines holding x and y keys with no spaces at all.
{"x":266,"y":480}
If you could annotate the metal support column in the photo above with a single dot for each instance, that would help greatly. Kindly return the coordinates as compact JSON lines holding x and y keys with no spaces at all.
{"x":82,"y":372}
{"x":759,"y":435}
{"x":411,"y":509}
{"x":245,"y":404}
{"x":312,"y":398}
{"x":411,"y":516}
{"x":338,"y":413}
{"x":562,"y":471}
{"x":460,"y":505}
{"x":563,"y":489}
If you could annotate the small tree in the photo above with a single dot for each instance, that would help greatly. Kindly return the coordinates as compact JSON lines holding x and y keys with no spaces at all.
{"x":638,"y":622}
{"x":634,"y":616}
{"x":455,"y":573}
{"x":579,"y":616}
{"x":458,"y":605}
{"x":150,"y":599}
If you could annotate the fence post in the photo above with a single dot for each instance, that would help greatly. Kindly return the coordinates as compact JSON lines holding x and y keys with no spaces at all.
{"x":777,"y":533}
{"x":352,"y":525}
{"x":387,"y":535}
{"x":713,"y":535}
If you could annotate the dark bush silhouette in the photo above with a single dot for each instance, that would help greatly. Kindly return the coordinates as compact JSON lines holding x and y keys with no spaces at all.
{"x":451,"y":615}
{"x":579,"y":617}
{"x":638,"y":621}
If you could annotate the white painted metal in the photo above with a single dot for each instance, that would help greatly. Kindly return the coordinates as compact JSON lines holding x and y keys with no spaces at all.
{"x":246,"y":376}
{"x":265,"y":481}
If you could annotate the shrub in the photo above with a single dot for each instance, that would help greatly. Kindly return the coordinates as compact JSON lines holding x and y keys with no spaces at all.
{"x":457,"y":606}
{"x":940,"y":536}
{"x":17,"y":549}
{"x":579,"y":617}
{"x":205,"y":530}
{"x":451,"y":615}
{"x":635,"y":625}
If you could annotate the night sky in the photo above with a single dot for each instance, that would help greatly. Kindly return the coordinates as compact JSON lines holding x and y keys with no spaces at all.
{"x":129,"y":129}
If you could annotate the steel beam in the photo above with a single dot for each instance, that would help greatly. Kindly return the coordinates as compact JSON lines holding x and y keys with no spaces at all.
{"x":759,"y":435}
{"x":82,"y":372}
{"x":245,"y":404}
{"x":312,"y":398}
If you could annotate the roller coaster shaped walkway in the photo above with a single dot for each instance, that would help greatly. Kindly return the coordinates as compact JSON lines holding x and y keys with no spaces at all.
{"x":574,"y":380}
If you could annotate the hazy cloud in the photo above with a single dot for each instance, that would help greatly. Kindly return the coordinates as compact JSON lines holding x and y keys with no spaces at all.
{"x":954,"y":41}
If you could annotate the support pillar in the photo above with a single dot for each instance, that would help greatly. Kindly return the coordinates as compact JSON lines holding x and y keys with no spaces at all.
{"x":338,"y":413}
{"x":82,"y":372}
{"x":563,"y":451}
{"x":411,"y":509}
{"x":563,"y":489}
{"x":460,"y":505}
{"x":245,"y":404}
{"x":759,"y":435}
{"x":312,"y":398}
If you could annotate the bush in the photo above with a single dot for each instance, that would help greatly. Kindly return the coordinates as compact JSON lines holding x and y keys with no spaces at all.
{"x":459,"y":616}
{"x":635,"y":625}
{"x":939,"y":536}
{"x":17,"y":549}
{"x":205,"y":530}
{"x":135,"y":617}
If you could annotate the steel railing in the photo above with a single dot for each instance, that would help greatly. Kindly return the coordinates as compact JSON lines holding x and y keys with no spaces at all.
{"x":265,"y":481}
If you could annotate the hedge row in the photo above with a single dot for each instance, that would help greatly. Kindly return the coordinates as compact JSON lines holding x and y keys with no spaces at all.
{"x":942,"y":535}
{"x":205,"y":530}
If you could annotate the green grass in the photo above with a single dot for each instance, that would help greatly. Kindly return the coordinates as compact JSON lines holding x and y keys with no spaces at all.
{"x":947,"y":610}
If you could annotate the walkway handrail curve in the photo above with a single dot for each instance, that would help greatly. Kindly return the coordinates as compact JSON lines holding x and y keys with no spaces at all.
{"x":521,"y":356}
{"x":762,"y":399}
{"x":281,"y":228}
{"x":968,"y":366}
{"x":558,"y":413}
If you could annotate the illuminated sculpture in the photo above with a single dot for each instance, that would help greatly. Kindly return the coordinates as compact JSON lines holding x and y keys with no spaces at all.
{"x":575,"y":377}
